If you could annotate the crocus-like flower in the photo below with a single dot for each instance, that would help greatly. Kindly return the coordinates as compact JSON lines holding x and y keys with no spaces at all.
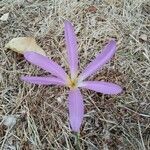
{"x":73,"y":80}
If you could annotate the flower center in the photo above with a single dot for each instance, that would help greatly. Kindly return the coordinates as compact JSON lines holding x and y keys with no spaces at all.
{"x":72,"y":83}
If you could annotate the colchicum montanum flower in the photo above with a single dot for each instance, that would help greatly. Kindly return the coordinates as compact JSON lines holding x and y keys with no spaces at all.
{"x":74,"y":81}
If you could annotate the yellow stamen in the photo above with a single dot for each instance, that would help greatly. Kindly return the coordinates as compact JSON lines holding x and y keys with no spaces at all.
{"x":72,"y":83}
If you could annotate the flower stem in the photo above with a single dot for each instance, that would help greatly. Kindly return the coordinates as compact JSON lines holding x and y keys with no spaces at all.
{"x":77,"y":141}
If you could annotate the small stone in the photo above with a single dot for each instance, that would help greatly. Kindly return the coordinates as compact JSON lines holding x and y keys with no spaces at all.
{"x":9,"y":121}
{"x":143,"y":37}
{"x":30,"y":1}
{"x":1,"y":77}
{"x":4,"y":17}
{"x":59,"y":99}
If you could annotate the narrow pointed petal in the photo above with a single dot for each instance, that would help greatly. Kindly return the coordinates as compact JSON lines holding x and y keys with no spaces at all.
{"x":71,"y":44}
{"x":46,"y":64}
{"x":102,"y":87}
{"x":43,"y":80}
{"x":76,"y":109}
{"x":100,"y":60}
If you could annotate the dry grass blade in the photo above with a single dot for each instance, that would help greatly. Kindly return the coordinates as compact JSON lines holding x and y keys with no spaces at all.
{"x":110,"y":122}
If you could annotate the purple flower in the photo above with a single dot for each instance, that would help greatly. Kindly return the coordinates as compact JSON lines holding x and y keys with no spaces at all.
{"x":74,"y":81}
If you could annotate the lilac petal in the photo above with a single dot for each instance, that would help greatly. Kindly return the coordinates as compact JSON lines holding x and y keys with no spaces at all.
{"x":100,"y":60}
{"x":46,"y":64}
{"x":102,"y":87}
{"x":43,"y":80}
{"x":71,"y":44}
{"x":76,"y":109}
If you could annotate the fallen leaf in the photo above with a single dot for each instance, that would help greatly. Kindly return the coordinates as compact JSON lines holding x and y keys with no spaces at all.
{"x":91,"y":9}
{"x":4,"y":17}
{"x":23,"y":44}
